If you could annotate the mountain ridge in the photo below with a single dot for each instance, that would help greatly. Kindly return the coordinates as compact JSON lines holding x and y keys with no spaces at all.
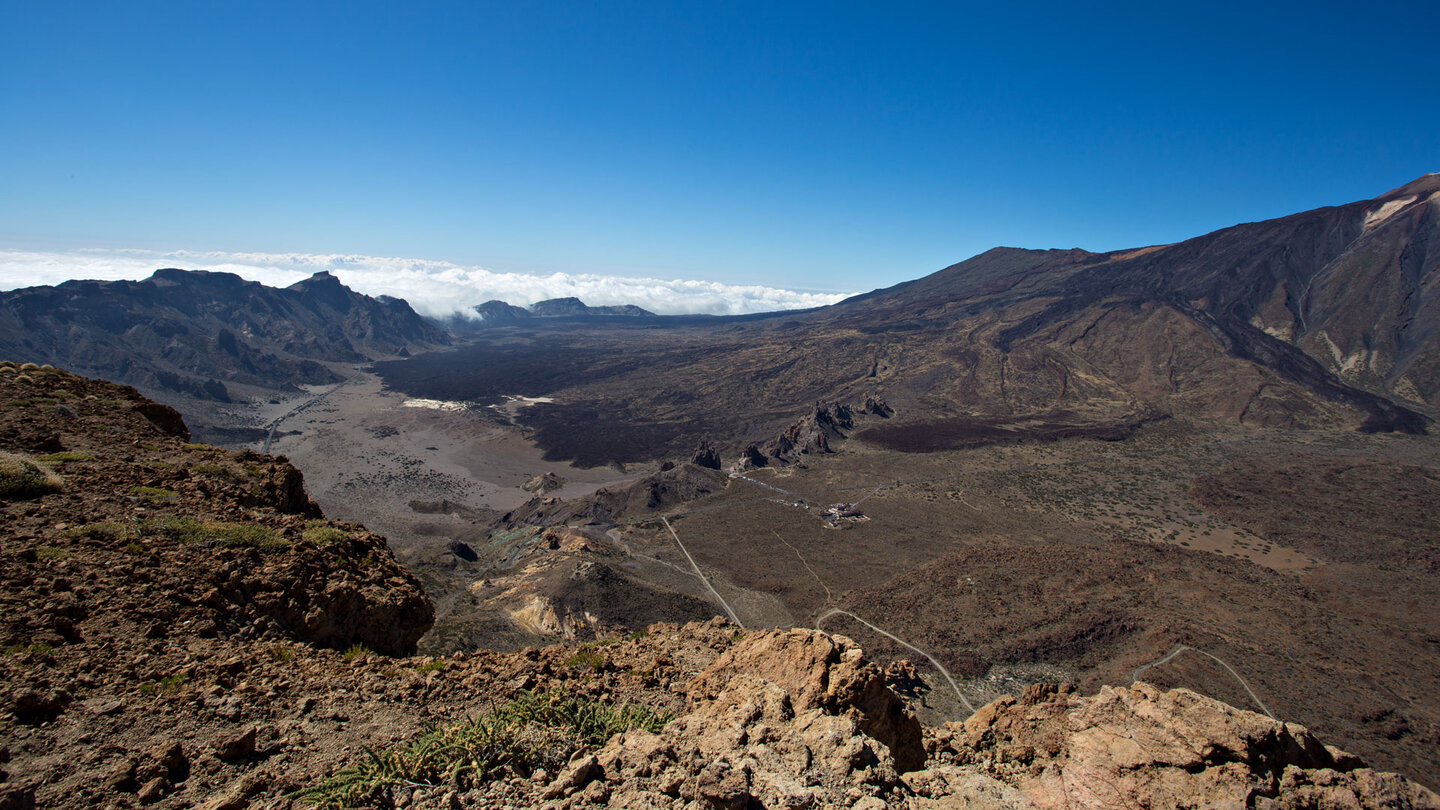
{"x":195,"y":332}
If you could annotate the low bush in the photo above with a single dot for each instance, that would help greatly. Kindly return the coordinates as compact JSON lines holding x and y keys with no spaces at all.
{"x":23,"y":477}
{"x":64,"y":457}
{"x":156,"y":495}
{"x":322,"y":534}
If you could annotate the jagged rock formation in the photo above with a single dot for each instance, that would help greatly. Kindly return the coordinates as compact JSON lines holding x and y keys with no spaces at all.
{"x":543,"y":484}
{"x":195,"y":332}
{"x":877,"y":406}
{"x":799,"y":719}
{"x":1144,"y":747}
{"x":809,"y":434}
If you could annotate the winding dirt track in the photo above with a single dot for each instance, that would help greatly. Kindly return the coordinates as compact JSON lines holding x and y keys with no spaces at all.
{"x":1134,"y":676}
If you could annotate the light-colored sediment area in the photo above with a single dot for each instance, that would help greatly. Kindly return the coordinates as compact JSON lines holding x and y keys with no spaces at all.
{"x":368,"y":453}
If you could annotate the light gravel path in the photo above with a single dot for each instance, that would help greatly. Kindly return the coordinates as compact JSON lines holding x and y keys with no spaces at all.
{"x":270,"y":434}
{"x":729,"y":611}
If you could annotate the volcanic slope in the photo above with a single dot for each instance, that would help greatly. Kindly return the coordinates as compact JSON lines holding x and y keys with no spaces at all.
{"x":1320,"y":319}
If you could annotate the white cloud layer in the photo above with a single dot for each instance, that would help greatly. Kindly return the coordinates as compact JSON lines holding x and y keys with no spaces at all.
{"x":434,"y":288}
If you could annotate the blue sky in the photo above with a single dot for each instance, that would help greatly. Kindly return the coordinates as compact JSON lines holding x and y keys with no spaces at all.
{"x":806,"y":146}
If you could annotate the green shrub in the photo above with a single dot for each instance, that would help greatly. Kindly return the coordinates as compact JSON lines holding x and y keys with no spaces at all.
{"x":251,"y":535}
{"x":23,"y":477}
{"x":36,"y":649}
{"x":587,"y":659}
{"x":322,"y":534}
{"x":536,"y":730}
{"x":189,"y":531}
{"x":219,"y":471}
{"x":156,"y":495}
{"x":356,"y":652}
{"x":64,"y":457}
{"x":280,"y":653}
{"x":106,"y":529}
{"x":179,"y":529}
{"x":164,"y":686}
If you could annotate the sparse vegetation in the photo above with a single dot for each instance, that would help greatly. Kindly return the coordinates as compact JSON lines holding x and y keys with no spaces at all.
{"x":51,"y":553}
{"x":356,"y":652}
{"x":165,"y":686}
{"x":280,"y":653}
{"x":539,"y":729}
{"x":24,"y":477}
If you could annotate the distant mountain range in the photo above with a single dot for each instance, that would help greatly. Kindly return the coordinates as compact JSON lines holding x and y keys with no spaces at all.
{"x":1326,"y":318}
{"x":499,"y":312}
{"x":199,"y":333}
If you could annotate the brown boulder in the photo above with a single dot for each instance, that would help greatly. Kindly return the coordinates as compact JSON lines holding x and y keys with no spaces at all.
{"x":1144,"y":747}
{"x":823,"y":672}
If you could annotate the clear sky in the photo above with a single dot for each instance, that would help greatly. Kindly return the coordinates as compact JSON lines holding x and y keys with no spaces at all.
{"x":809,"y":146}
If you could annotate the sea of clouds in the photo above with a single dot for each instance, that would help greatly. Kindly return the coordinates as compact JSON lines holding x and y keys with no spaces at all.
{"x":435,"y":288}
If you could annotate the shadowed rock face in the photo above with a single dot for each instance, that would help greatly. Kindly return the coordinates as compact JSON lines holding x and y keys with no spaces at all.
{"x":193,"y":332}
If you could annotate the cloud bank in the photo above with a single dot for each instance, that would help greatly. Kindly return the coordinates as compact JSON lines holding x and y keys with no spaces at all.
{"x":435,"y":288}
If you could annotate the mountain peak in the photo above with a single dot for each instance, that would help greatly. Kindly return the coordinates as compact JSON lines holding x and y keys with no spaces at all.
{"x":1423,"y":185}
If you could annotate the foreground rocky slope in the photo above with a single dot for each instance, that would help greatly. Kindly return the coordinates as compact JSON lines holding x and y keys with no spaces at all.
{"x":173,"y":626}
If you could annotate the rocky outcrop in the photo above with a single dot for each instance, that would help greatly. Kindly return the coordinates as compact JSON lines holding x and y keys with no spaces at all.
{"x":782,"y":719}
{"x":1140,"y":746}
{"x":543,"y":484}
{"x":822,"y":672}
{"x":809,"y":434}
{"x":877,"y":406}
{"x":706,"y":456}
{"x":799,"y":719}
{"x":178,"y":540}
